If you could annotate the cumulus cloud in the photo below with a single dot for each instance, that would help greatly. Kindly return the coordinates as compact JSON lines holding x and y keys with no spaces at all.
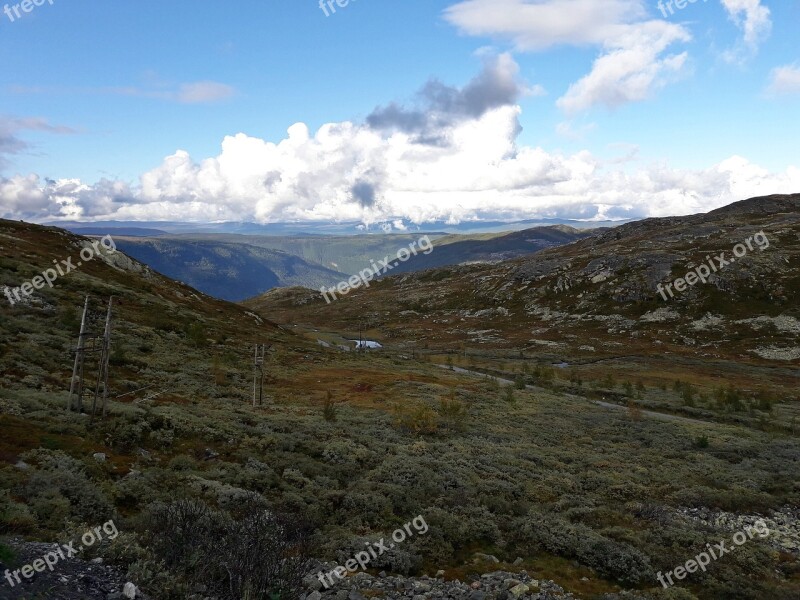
{"x":754,"y":20}
{"x":387,"y":172}
{"x":784,"y":81}
{"x":541,"y":24}
{"x":364,"y":193}
{"x":630,"y":70}
{"x":441,"y":106}
{"x":347,"y":171}
{"x":633,"y":63}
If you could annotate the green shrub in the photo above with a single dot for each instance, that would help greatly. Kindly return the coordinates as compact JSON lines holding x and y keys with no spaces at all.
{"x":248,"y":553}
{"x":162,"y":438}
{"x":419,"y":419}
{"x":509,"y":395}
{"x":688,"y":395}
{"x":59,"y":489}
{"x":329,"y":408}
{"x":182,"y":462}
{"x":453,"y":414}
{"x":610,"y":558}
{"x":128,"y":432}
{"x":196,"y":334}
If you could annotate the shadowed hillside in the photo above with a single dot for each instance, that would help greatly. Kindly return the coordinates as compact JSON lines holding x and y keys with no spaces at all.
{"x":227,"y":271}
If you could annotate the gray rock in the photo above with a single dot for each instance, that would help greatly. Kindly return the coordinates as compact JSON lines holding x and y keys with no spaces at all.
{"x":129,"y":591}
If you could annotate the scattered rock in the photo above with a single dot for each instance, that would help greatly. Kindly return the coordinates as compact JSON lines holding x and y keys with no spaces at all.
{"x":498,"y":585}
{"x":479,"y":557}
{"x":72,"y":578}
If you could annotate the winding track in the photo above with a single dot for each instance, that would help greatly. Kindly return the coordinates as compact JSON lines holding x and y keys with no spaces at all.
{"x":649,"y":413}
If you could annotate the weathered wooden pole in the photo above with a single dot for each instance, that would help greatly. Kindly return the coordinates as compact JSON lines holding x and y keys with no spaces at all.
{"x":102,"y":369}
{"x":78,"y":365}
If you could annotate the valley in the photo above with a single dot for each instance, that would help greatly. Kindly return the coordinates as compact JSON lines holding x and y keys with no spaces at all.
{"x":571,"y":434}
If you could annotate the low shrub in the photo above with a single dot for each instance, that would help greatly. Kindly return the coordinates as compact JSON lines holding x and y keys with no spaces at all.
{"x":247,"y":553}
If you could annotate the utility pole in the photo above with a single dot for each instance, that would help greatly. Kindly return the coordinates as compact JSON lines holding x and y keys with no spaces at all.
{"x":255,"y":375}
{"x":258,"y":374}
{"x":77,"y":369}
{"x":102,"y":369}
{"x":101,"y":345}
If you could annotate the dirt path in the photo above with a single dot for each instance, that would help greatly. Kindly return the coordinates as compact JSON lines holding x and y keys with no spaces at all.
{"x":649,"y":413}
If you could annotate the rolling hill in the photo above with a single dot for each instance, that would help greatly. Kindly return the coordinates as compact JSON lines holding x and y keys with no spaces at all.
{"x":594,"y":305}
{"x":223,"y":270}
{"x":541,"y":475}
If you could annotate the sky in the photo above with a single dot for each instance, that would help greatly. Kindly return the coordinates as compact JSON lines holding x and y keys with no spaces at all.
{"x":395,"y":112}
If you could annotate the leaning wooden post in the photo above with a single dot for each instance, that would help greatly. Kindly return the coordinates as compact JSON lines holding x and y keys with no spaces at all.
{"x":107,"y":355}
{"x":102,"y":369}
{"x":78,"y":365}
{"x":255,"y":374}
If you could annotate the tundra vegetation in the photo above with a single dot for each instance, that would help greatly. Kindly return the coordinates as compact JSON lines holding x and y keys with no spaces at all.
{"x":349,"y":446}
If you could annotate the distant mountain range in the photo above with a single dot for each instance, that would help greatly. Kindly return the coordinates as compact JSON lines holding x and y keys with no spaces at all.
{"x":146,"y":228}
{"x":235,"y":266}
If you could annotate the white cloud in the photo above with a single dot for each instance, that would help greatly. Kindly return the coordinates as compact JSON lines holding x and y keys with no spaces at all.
{"x":203,"y":92}
{"x":784,"y":80}
{"x":754,"y":20}
{"x":633,"y":63}
{"x":539,"y":25}
{"x":454,"y":156}
{"x":630,"y":70}
{"x":197,"y":92}
{"x":482,"y":173}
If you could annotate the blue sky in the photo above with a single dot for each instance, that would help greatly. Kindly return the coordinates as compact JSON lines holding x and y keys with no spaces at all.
{"x":581,"y":108}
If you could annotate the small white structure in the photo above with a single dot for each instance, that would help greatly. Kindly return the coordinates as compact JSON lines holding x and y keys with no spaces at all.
{"x":367,"y":345}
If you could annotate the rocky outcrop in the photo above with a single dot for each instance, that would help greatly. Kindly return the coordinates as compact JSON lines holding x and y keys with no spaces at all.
{"x":783,"y":525}
{"x":499,"y":585}
{"x":72,"y":578}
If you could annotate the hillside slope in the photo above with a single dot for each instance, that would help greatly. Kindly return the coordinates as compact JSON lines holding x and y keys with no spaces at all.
{"x":228,"y":271}
{"x":236,"y":267}
{"x":595,"y":304}
{"x":498,"y":248}
{"x":354,"y":446}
